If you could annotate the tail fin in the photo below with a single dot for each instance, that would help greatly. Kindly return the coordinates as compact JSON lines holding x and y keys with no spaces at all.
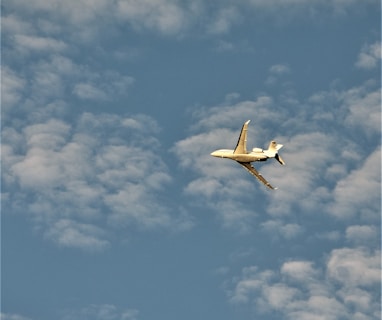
{"x":274,"y":146}
{"x":272,"y":151}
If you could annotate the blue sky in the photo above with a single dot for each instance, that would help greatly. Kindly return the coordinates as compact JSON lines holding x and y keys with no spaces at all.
{"x":112,"y":207}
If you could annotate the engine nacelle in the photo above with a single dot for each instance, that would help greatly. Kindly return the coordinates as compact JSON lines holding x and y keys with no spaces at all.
{"x":257,"y":150}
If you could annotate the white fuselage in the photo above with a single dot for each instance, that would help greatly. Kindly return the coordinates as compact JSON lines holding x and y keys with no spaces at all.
{"x":256,"y":155}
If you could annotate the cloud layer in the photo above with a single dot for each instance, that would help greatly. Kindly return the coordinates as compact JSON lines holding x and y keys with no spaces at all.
{"x":326,"y":162}
{"x":167,"y":17}
{"x":329,"y":190}
{"x":87,"y":173}
{"x":74,"y":179}
{"x":345,"y":286}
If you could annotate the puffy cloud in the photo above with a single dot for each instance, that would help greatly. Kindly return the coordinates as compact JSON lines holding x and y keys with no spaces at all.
{"x":287,"y":231}
{"x":276,"y":72}
{"x":27,"y":43}
{"x":337,"y":5}
{"x":53,"y":82}
{"x":226,"y":17}
{"x":251,"y":281}
{"x":68,"y":233}
{"x":110,"y":86}
{"x":318,"y":307}
{"x":165,"y":16}
{"x":299,"y":270}
{"x":355,"y":267}
{"x":88,"y":91}
{"x":168,"y":17}
{"x":279,"y":69}
{"x":81,"y":180}
{"x":13,"y":24}
{"x":9,"y":316}
{"x":365,"y":234}
{"x":102,"y":312}
{"x":364,"y":109}
{"x":305,"y":154}
{"x":278,"y":296}
{"x":322,"y":164}
{"x":77,"y":12}
{"x":215,"y":183}
{"x":348,"y":201}
{"x":300,"y":291}
{"x":370,"y":56}
{"x":12,"y":86}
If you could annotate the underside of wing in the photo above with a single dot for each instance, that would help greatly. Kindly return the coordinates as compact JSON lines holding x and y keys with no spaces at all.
{"x":241,"y":147}
{"x":248,"y":166}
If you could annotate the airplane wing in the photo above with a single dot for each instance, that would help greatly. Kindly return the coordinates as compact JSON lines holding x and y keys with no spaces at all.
{"x":241,"y":147}
{"x":248,"y":166}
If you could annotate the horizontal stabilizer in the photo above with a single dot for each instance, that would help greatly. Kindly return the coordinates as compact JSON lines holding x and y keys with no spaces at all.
{"x":279,"y":159}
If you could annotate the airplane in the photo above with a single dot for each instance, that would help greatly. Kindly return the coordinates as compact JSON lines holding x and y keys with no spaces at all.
{"x":244,"y":158}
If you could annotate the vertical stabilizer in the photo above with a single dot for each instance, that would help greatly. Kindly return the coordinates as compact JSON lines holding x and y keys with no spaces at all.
{"x":273,"y":150}
{"x":274,"y":146}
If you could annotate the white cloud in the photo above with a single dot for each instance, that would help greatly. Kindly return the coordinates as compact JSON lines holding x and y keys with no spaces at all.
{"x":251,"y":281}
{"x":44,"y":87}
{"x":81,"y":180}
{"x":305,"y":155}
{"x":12,"y":86}
{"x":102,"y":312}
{"x":88,"y":91}
{"x":68,"y":233}
{"x":355,"y":267}
{"x":14,"y":25}
{"x":349,"y":201}
{"x":164,"y":16}
{"x":321,"y":157}
{"x":362,"y":235}
{"x":278,"y":296}
{"x":338,"y":6}
{"x":300,"y":291}
{"x":279,"y":69}
{"x":214,"y":185}
{"x":318,"y":307}
{"x":27,"y":43}
{"x":288,"y":231}
{"x":80,"y":18}
{"x":299,"y":270}
{"x":224,"y":46}
{"x":329,"y":235}
{"x":225,"y":18}
{"x":364,"y":109}
{"x":167,"y":16}
{"x":370,"y":56}
{"x":276,"y":72}
{"x":232,"y":115}
{"x":107,"y":85}
{"x":77,"y":12}
{"x":9,"y":316}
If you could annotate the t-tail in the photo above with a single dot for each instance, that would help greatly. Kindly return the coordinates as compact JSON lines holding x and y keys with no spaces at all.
{"x":273,"y":151}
